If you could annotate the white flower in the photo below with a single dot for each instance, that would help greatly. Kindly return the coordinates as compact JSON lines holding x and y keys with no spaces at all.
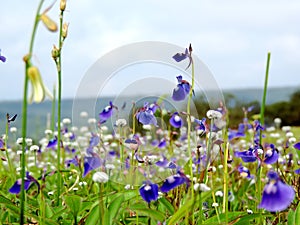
{"x":92,"y":121}
{"x":147,"y":127}
{"x":100,"y":177}
{"x":48,"y":132}
{"x":249,"y":211}
{"x":203,"y":187}
{"x":121,"y":123}
{"x":215,"y":204}
{"x":19,"y":141}
{"x":34,"y":148}
{"x":213,"y":114}
{"x":277,"y":121}
{"x":219,"y":193}
{"x":13,"y":129}
{"x":289,"y":134}
{"x":66,"y":121}
{"x":84,"y":114}
{"x":286,"y":128}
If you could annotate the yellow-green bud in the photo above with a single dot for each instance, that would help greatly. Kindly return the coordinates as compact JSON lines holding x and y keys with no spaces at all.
{"x":55,"y":52}
{"x":63,"y":5}
{"x":65,"y":30}
{"x":48,"y":22}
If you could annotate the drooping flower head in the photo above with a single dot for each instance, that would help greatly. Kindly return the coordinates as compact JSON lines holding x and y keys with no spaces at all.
{"x":38,"y":89}
{"x":149,"y":191}
{"x":106,"y":113}
{"x":2,"y":58}
{"x":277,"y":195}
{"x":145,"y":115}
{"x":176,"y":121}
{"x":178,"y":57}
{"x":182,"y":89}
{"x":174,"y":181}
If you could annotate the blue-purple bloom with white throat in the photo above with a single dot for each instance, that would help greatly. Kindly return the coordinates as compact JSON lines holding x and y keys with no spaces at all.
{"x":106,"y":113}
{"x":182,"y":89}
{"x":174,"y":181}
{"x":149,"y":191}
{"x":145,"y":115}
{"x":271,"y":155}
{"x":277,"y":196}
{"x":176,"y":121}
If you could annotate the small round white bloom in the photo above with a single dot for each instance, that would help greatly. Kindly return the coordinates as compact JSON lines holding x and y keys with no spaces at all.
{"x":84,"y":114}
{"x":66,"y":121}
{"x":92,"y":121}
{"x":100,"y":177}
{"x":48,"y":132}
{"x":289,"y":134}
{"x":213,"y":114}
{"x":215,"y":204}
{"x":260,"y":151}
{"x":203,"y":187}
{"x":147,"y":127}
{"x":104,"y":128}
{"x":270,"y":129}
{"x":34,"y":148}
{"x":110,"y":166}
{"x":286,"y":128}
{"x":121,"y":123}
{"x":13,"y":129}
{"x":219,"y":193}
{"x":51,"y":193}
{"x":277,"y":120}
{"x":127,"y":187}
{"x":19,"y":141}
{"x":292,"y":140}
{"x":249,"y":211}
{"x":28,"y":141}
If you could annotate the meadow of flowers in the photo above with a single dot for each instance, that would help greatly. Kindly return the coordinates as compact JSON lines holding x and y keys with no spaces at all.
{"x":158,"y":167}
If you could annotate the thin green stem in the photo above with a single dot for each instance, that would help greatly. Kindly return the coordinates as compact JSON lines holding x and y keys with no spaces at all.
{"x":24,"y":113}
{"x":59,"y":75}
{"x":225,"y":183}
{"x":189,"y":129}
{"x":11,"y":169}
{"x":262,"y":122}
{"x":53,"y":109}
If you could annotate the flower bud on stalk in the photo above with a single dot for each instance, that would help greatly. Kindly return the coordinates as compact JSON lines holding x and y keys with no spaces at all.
{"x":55,"y":52}
{"x":65,"y":30}
{"x":63,"y":5}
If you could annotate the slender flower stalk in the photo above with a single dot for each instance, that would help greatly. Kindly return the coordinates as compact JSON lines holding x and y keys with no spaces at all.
{"x":24,"y":111}
{"x":225,"y":183}
{"x":56,"y":54}
{"x":53,"y":109}
{"x":10,"y":166}
{"x":262,"y":122}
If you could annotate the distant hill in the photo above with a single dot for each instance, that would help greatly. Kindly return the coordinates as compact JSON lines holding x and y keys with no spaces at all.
{"x":39,"y":114}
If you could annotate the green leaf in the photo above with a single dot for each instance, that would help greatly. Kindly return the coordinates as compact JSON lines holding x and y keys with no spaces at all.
{"x":167,"y":205}
{"x":297,"y":215}
{"x":153,"y":214}
{"x":113,"y":209}
{"x":93,"y":217}
{"x":291,"y":217}
{"x":74,"y":203}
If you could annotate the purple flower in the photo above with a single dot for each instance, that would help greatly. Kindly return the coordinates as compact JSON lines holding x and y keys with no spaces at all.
{"x":52,"y":143}
{"x":162,"y":143}
{"x":74,"y":161}
{"x":16,"y":188}
{"x":297,"y":146}
{"x":178,"y":57}
{"x":297,"y":171}
{"x":248,"y":156}
{"x":271,"y":155}
{"x":174,"y":181}
{"x":176,"y":120}
{"x":277,"y":196}
{"x":145,"y":115}
{"x":244,"y":172}
{"x":149,"y":191}
{"x":2,"y":58}
{"x":163,"y":162}
{"x":133,"y":143}
{"x":182,"y":89}
{"x":106,"y":113}
{"x":90,"y":163}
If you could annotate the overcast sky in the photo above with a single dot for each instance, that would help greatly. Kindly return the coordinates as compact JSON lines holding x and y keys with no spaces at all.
{"x":231,"y":37}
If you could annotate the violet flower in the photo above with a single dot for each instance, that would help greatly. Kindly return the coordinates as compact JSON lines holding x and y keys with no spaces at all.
{"x":178,"y":57}
{"x":174,"y":181}
{"x":297,"y":146}
{"x":271,"y":155}
{"x":149,"y":191}
{"x":91,"y":162}
{"x":277,"y":195}
{"x":16,"y":188}
{"x":248,"y":156}
{"x":244,"y":172}
{"x":145,"y":115}
{"x":106,"y":113}
{"x":2,"y":58}
{"x":182,"y":89}
{"x":176,"y":121}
